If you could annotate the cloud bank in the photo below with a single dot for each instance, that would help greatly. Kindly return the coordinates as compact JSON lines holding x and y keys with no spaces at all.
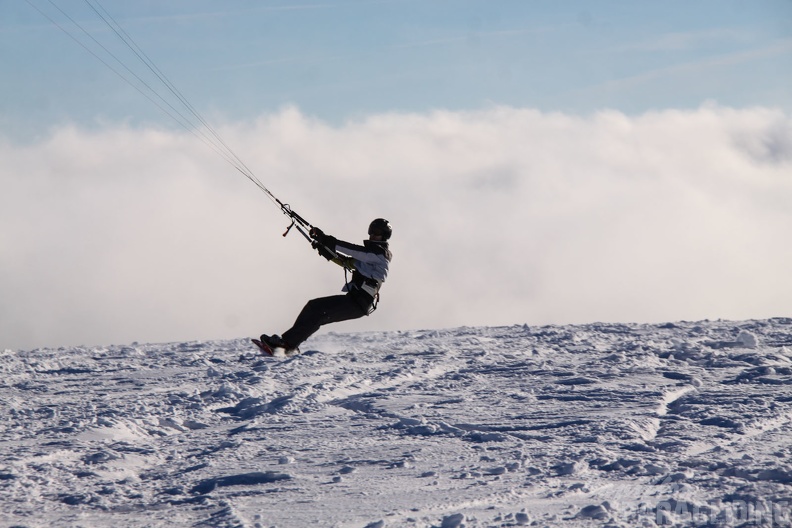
{"x":501,"y":216}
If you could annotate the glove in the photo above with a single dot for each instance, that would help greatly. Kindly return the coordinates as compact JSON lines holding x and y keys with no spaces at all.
{"x":319,"y":238}
{"x":323,"y":244}
{"x":326,"y":253}
{"x":315,"y":232}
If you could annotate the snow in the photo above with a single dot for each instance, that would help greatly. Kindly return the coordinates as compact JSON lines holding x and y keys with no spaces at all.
{"x":679,"y":424}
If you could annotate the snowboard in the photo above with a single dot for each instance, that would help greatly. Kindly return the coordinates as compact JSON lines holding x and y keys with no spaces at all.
{"x":270,"y":352}
{"x":263,"y":347}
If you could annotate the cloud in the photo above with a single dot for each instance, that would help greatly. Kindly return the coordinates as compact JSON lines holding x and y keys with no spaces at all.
{"x":501,"y":216}
{"x":709,"y":64}
{"x":683,"y":41}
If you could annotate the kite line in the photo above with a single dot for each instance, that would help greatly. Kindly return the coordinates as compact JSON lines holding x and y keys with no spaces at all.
{"x":176,"y":106}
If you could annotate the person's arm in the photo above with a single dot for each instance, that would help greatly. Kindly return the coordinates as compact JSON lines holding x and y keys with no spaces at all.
{"x":326,"y":246}
{"x":371,"y":262}
{"x":344,"y":262}
{"x":361,"y":253}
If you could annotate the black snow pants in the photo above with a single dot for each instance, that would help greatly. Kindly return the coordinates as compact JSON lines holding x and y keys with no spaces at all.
{"x":325,"y":310}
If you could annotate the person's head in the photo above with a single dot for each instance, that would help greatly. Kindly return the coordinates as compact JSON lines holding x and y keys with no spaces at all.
{"x":380,"y":229}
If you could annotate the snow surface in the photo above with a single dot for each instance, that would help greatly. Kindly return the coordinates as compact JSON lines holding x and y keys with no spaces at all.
{"x":684,"y":424}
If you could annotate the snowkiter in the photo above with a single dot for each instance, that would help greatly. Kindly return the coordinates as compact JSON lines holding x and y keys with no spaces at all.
{"x":369,"y":264}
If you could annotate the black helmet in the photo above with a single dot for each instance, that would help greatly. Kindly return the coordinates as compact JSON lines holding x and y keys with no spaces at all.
{"x":380,"y":227}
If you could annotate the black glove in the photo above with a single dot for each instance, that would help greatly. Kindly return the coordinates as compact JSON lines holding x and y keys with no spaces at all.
{"x":326,"y":253}
{"x":323,"y":244}
{"x":316,"y":233}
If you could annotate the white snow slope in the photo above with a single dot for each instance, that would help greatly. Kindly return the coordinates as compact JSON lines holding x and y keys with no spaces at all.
{"x":684,"y":424}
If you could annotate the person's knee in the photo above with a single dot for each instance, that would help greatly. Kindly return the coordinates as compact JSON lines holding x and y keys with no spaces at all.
{"x":314,"y":307}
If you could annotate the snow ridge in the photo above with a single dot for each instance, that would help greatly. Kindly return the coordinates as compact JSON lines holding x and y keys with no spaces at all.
{"x":586,"y":425}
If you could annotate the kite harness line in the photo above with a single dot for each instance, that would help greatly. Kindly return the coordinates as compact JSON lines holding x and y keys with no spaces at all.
{"x":178,"y":107}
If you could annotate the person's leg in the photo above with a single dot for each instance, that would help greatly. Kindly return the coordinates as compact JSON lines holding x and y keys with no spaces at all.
{"x":319,"y":312}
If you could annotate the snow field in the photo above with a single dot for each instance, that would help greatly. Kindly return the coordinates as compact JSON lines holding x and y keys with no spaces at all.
{"x":682,"y":424}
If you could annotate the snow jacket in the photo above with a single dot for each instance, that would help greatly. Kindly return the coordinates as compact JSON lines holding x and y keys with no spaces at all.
{"x":370,"y":263}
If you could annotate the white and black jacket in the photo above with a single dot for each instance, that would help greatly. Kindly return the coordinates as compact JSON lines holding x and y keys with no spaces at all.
{"x":370,"y":264}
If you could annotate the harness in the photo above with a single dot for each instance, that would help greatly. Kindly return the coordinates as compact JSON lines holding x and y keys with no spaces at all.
{"x":361,"y":283}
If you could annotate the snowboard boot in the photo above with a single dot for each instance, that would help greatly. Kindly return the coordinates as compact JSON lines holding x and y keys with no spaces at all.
{"x":275,"y":341}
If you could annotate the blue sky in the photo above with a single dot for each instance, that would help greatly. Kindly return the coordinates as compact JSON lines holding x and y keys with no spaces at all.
{"x":540,"y":161}
{"x":341,"y":60}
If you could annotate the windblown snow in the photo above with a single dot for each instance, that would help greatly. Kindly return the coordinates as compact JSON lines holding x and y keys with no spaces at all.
{"x":680,"y":424}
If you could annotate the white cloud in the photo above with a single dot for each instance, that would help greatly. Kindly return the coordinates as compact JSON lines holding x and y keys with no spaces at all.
{"x":692,"y":72}
{"x":501,"y":216}
{"x":682,"y":41}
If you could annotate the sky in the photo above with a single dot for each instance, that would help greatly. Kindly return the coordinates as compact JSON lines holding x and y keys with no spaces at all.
{"x":541,"y":162}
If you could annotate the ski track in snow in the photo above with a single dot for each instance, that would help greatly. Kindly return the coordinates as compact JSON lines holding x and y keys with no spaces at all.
{"x":586,"y":425}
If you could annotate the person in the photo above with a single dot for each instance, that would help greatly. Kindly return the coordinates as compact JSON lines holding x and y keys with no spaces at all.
{"x":369,"y":264}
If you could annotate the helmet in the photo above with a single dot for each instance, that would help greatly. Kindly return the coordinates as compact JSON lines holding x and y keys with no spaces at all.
{"x":380,"y":227}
